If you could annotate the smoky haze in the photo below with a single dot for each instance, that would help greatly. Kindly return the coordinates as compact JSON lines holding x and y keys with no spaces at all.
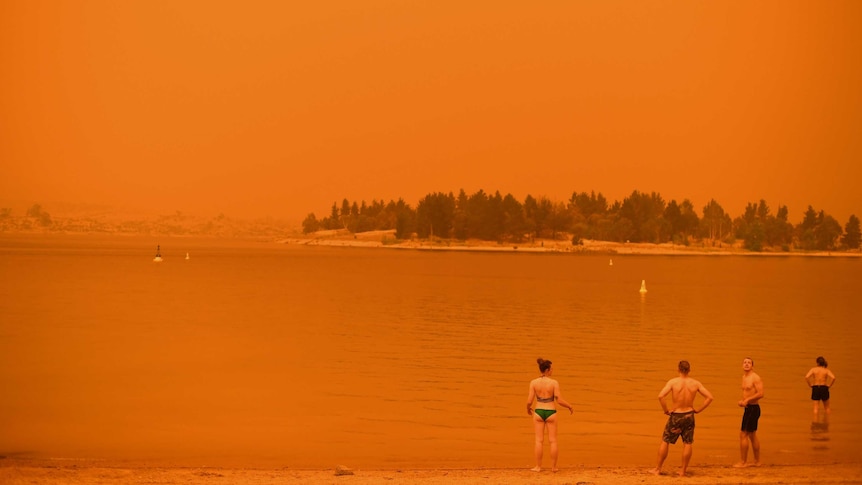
{"x":281,"y":108}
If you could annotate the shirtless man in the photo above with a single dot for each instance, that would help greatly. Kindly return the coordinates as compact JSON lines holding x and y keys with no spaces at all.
{"x":818,"y":380}
{"x":752,"y":393}
{"x":680,"y":421}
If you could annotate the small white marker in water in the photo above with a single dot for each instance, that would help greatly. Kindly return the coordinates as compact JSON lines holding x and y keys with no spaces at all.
{"x":612,"y":262}
{"x":643,"y":286}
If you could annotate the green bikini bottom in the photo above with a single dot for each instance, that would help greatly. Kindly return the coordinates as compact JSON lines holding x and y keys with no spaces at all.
{"x":545,"y":413}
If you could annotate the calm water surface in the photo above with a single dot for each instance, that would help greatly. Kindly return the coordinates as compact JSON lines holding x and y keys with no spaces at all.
{"x":260,"y":354}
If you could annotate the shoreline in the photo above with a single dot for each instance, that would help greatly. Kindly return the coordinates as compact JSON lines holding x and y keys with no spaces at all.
{"x":386,"y":239}
{"x":14,"y":471}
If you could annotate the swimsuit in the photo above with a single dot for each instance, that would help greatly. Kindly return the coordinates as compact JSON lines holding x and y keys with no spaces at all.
{"x":819,"y":393}
{"x":545,"y":413}
{"x":750,"y":417}
{"x":679,"y":424}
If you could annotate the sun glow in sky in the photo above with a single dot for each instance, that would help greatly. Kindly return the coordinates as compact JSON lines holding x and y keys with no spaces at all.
{"x":271,"y":108}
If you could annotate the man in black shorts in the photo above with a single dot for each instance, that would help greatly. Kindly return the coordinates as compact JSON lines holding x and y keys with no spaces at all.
{"x":752,"y":393}
{"x":818,"y":378}
{"x":680,"y":421}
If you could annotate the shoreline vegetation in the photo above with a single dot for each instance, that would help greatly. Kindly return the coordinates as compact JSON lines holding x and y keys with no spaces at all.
{"x":15,"y":471}
{"x":639,"y":218}
{"x":642,"y":223}
{"x":386,"y":239}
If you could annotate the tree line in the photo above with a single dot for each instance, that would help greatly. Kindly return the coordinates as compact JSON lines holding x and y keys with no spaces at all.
{"x":640,"y":217}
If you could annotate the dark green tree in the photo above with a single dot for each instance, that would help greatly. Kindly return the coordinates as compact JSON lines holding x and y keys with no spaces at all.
{"x":589,"y":204}
{"x":460,"y":225}
{"x":435,"y":215}
{"x":673,"y":215}
{"x":827,"y":232}
{"x":560,"y":219}
{"x":383,"y":218}
{"x":310,"y":224}
{"x":762,"y":210}
{"x":513,"y":219}
{"x":809,"y":219}
{"x":752,"y":226}
{"x":818,"y":231}
{"x":333,"y":221}
{"x":683,"y":220}
{"x":805,"y":230}
{"x":780,"y":230}
{"x":531,"y":208}
{"x":35,"y":211}
{"x":852,"y":236}
{"x":405,"y":219}
{"x":690,"y":220}
{"x":715,"y":221}
{"x":620,"y":229}
{"x":645,"y":212}
{"x":753,"y":236}
{"x":478,"y":223}
{"x":496,"y":218}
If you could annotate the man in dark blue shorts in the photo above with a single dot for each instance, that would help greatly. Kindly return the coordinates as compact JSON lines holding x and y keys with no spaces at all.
{"x":752,"y":393}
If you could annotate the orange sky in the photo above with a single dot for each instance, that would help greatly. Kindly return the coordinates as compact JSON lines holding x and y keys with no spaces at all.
{"x":280,"y":108}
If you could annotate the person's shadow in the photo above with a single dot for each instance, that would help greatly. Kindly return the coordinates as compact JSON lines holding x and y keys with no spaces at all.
{"x":820,"y":432}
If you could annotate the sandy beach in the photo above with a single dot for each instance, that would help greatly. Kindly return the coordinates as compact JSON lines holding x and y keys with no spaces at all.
{"x":21,"y":471}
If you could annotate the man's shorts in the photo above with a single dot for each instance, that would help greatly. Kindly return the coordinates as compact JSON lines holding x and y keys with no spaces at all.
{"x":679,"y":424}
{"x":819,"y":393}
{"x":750,"y":417}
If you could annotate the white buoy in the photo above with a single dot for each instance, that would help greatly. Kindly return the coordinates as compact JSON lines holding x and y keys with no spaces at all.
{"x":643,"y":286}
{"x":612,"y":262}
{"x":187,"y":256}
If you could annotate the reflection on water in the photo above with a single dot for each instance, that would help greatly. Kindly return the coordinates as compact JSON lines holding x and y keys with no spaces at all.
{"x":266,"y":354}
{"x":820,"y":432}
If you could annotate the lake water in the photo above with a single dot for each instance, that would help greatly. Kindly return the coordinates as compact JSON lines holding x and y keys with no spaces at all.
{"x":263,"y":354}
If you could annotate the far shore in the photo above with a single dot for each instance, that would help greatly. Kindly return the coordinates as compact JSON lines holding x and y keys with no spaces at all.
{"x":20,"y":472}
{"x":386,"y":239}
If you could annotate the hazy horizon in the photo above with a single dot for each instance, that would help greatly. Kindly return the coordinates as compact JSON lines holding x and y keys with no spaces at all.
{"x":79,"y":209}
{"x":274,"y":109}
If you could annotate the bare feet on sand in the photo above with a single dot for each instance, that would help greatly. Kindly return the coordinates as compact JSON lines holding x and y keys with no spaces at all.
{"x":743,"y":464}
{"x":656,"y":471}
{"x":536,"y":469}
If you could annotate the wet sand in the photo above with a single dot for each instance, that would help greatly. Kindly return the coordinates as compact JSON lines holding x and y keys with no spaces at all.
{"x":20,"y":471}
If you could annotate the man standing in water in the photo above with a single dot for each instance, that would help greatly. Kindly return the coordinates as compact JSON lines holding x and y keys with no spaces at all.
{"x":818,"y":380}
{"x":752,"y":393}
{"x":680,"y":421}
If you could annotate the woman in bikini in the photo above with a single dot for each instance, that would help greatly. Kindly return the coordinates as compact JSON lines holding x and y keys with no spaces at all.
{"x":546,"y":392}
